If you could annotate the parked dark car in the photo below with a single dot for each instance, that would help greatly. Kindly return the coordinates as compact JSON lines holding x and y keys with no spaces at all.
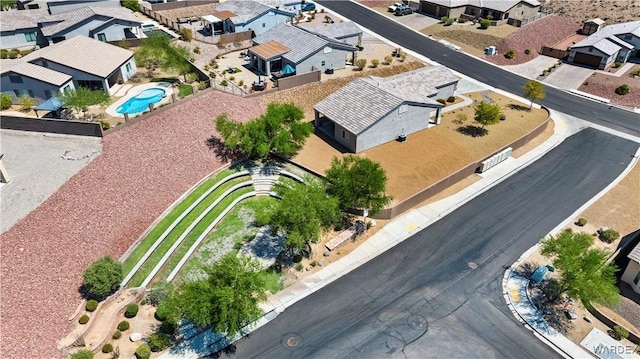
{"x":308,"y":6}
{"x":403,"y":10}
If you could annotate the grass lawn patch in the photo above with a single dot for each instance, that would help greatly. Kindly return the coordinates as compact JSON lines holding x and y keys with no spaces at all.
{"x":170,"y":80}
{"x":157,"y":231}
{"x":185,"y":90}
{"x":273,"y":280}
{"x":235,"y":229}
{"x":159,"y":252}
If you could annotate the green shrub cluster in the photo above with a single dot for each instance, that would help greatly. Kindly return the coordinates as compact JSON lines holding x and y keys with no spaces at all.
{"x":84,"y":319}
{"x":375,"y":63}
{"x":581,"y":222}
{"x":510,"y":54}
{"x":82,"y":354}
{"x":91,"y":305}
{"x":485,"y":23}
{"x":5,"y":101}
{"x":620,"y":332}
{"x":186,"y":34}
{"x":143,"y":352}
{"x":442,"y":101}
{"x":162,"y":312}
{"x":451,"y":99}
{"x":610,"y":235}
{"x":623,"y":89}
{"x":450,"y":21}
{"x":159,"y":342}
{"x":527,"y":51}
{"x":132,"y":310}
{"x":123,"y":326}
{"x":116,"y":335}
{"x":107,"y":348}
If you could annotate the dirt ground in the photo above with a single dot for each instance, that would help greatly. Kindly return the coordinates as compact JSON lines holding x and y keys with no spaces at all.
{"x":447,"y":149}
{"x":604,"y":85}
{"x":612,"y":11}
{"x":470,"y":37}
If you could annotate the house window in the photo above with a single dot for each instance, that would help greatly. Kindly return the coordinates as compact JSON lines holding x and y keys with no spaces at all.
{"x":128,"y":67}
{"x":627,"y":37}
{"x":345,"y":135}
{"x":67,"y":88}
{"x":637,"y":279}
{"x":102,"y":37}
{"x":15,"y":79}
{"x":45,"y":63}
{"x":47,"y":94}
{"x":31,"y":93}
{"x":327,"y":50}
{"x":402,"y":109}
{"x":17,"y":92}
{"x":322,"y":63}
{"x":264,"y":25}
{"x":591,"y":49}
{"x":31,"y":36}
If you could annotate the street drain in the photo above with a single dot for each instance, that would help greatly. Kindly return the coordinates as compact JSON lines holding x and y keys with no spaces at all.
{"x":418,"y":322}
{"x":291,"y":340}
{"x":472,"y":265}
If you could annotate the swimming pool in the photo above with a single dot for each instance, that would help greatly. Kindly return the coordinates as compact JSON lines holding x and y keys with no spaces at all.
{"x":158,"y":32}
{"x":140,"y":102}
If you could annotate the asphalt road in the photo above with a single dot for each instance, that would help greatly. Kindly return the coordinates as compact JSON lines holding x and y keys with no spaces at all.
{"x":615,"y":118}
{"x":439,"y":293}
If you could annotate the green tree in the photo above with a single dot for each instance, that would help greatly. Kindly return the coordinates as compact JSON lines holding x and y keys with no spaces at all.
{"x":143,"y":351}
{"x":227,"y":300}
{"x":487,"y":113}
{"x":5,"y":101}
{"x":132,"y":5}
{"x":304,"y":213}
{"x":358,"y":183}
{"x":177,"y":59}
{"x":6,"y":5}
{"x":152,"y":53}
{"x":279,"y":130}
{"x":81,"y":98}
{"x":533,"y":90}
{"x":584,"y":272}
{"x":82,"y":354}
{"x":103,"y":277}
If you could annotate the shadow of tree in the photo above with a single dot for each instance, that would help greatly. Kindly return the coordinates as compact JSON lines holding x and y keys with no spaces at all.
{"x":225,"y":154}
{"x":517,"y":107}
{"x":473,"y":131}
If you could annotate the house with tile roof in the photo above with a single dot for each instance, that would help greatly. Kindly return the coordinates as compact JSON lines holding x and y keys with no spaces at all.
{"x":347,"y":32}
{"x":610,"y":44}
{"x":495,"y":10}
{"x":631,"y":274}
{"x":240,"y":15}
{"x":58,"y":6}
{"x":19,"y":29}
{"x":76,"y":62}
{"x":302,"y":49}
{"x":371,"y":111}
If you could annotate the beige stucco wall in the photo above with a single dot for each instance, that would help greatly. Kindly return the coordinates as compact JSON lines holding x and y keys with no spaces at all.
{"x":633,"y":269}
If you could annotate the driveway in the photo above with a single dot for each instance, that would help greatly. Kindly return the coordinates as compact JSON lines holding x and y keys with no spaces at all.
{"x":531,"y":69}
{"x":415,"y":20}
{"x":568,"y":76}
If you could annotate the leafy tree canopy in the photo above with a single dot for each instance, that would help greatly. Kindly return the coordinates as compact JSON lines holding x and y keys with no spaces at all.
{"x":103,"y":277}
{"x":227,"y":300}
{"x":358,"y":183}
{"x":487,"y":113}
{"x":82,"y":354}
{"x":132,"y":5}
{"x":533,"y":90}
{"x":81,"y":98}
{"x":584,"y":273}
{"x":304,"y":212}
{"x":279,"y":130}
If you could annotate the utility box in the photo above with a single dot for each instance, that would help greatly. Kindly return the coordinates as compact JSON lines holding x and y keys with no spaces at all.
{"x":491,"y":50}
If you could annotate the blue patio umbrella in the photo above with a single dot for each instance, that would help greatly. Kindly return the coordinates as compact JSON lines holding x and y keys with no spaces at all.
{"x":288,"y":70}
{"x":52,"y":104}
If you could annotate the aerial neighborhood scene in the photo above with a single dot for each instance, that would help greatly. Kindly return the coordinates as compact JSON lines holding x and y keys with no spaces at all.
{"x":319,"y":179}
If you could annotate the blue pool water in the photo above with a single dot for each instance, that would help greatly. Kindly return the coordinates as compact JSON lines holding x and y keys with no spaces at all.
{"x":140,"y":102}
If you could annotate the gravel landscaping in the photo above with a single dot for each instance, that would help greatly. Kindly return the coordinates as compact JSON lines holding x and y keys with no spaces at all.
{"x":603,"y":85}
{"x":103,"y":209}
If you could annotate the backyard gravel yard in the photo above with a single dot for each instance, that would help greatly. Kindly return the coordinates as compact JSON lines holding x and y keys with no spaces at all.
{"x":103,"y":209}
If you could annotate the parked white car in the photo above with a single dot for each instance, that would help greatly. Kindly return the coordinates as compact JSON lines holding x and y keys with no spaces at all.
{"x":393,"y":7}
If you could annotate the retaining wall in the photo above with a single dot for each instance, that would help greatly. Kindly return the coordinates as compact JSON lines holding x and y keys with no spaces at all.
{"x":92,"y":129}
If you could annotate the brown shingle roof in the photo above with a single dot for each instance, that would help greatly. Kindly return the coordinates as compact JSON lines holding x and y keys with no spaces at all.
{"x":223,"y":15}
{"x":270,"y":50}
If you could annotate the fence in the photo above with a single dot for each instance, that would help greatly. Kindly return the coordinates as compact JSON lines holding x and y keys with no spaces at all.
{"x":92,"y":129}
{"x":521,"y":22}
{"x":181,"y":4}
{"x":235,"y":37}
{"x":551,"y":52}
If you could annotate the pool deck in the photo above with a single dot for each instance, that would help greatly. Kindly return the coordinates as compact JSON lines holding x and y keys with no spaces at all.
{"x":167,"y":87}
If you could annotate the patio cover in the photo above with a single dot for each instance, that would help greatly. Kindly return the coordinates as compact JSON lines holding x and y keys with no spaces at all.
{"x":210,"y":19}
{"x":52,"y":104}
{"x":269,"y":50}
{"x":288,"y":70}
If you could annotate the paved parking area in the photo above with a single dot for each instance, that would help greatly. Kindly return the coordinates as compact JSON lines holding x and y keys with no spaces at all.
{"x":568,"y":76}
{"x":532,"y":69}
{"x":415,"y":21}
{"x":38,"y":164}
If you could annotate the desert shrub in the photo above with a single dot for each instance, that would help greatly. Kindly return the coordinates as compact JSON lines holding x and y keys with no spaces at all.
{"x":206,"y":68}
{"x":503,"y":117}
{"x":84,"y":319}
{"x":25,"y":52}
{"x":389,"y":59}
{"x":159,"y":342}
{"x":107,"y":348}
{"x":191,"y":77}
{"x":232,"y":78}
{"x":224,"y":83}
{"x":403,"y":56}
{"x":82,"y":354}
{"x":610,"y":235}
{"x":241,"y":82}
{"x":442,"y":101}
{"x":527,"y":51}
{"x":299,"y":267}
{"x":313,"y":263}
{"x":91,"y":305}
{"x":581,"y":222}
{"x":202,"y":85}
{"x":460,"y":118}
{"x":322,"y":10}
{"x":212,"y":74}
{"x":462,"y":20}
{"x":5,"y":101}
{"x":450,"y":21}
{"x":375,"y":63}
{"x":132,"y":310}
{"x":444,"y":19}
{"x":196,"y":50}
{"x":27,"y":102}
{"x":620,"y":332}
{"x":617,"y":64}
{"x":485,"y":23}
{"x":116,"y":335}
{"x":104,"y":124}
{"x":123,"y":326}
{"x":4,"y":53}
{"x":13,"y":54}
{"x":186,"y":34}
{"x":143,"y":352}
{"x":361,"y":63}
{"x":623,"y":89}
{"x":168,"y":327}
{"x":451,"y":99}
{"x":636,"y":72}
{"x":510,"y":54}
{"x":162,"y":312}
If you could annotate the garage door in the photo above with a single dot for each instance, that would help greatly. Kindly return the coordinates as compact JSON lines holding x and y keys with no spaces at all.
{"x":586,"y":59}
